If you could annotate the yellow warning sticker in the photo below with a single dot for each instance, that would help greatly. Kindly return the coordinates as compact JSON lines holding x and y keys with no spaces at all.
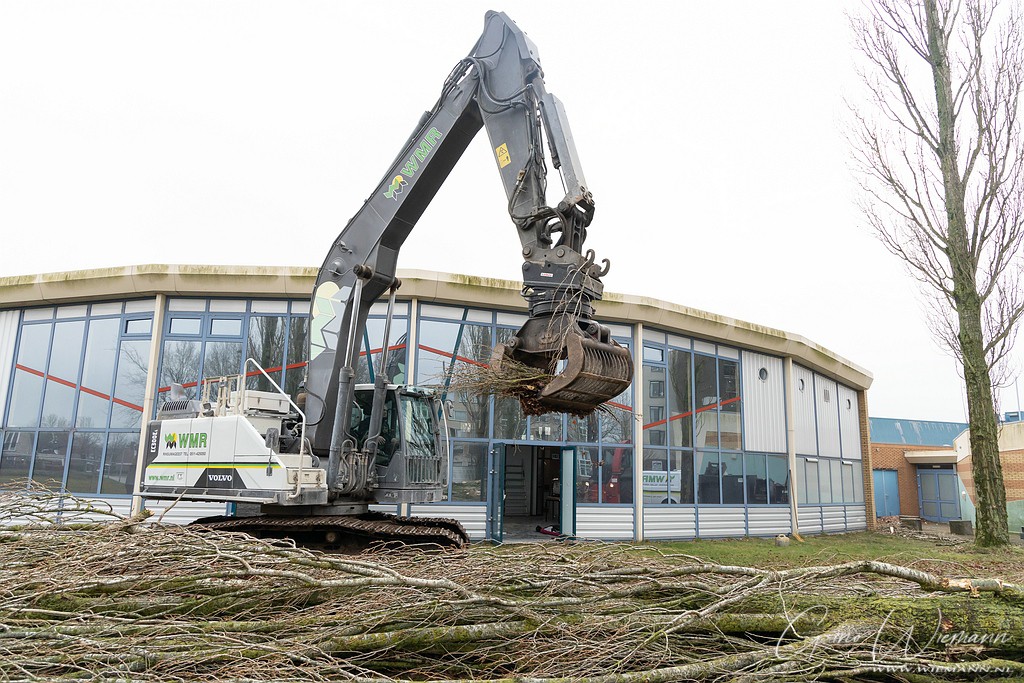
{"x":503,"y":158}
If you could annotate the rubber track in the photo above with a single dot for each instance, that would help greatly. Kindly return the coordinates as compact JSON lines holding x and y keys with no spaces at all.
{"x":369,"y":527}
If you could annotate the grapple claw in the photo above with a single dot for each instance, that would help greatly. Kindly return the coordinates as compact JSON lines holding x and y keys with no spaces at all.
{"x":596,"y":370}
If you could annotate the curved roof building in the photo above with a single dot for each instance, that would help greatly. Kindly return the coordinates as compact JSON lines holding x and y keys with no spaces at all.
{"x":730,"y":428}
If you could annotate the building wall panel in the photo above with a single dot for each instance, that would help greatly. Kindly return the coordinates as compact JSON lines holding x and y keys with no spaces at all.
{"x":856,"y":519}
{"x":473,"y":517}
{"x":713,"y":522}
{"x":810,"y":519}
{"x":764,"y":403}
{"x":826,"y":401}
{"x":669,"y":522}
{"x":8,"y":338}
{"x":833,"y":518}
{"x":803,"y":411}
{"x":605,"y":523}
{"x":768,"y":521}
{"x":849,"y":423}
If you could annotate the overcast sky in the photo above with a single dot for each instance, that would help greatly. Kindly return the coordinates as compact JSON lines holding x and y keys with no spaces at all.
{"x":711,"y":135}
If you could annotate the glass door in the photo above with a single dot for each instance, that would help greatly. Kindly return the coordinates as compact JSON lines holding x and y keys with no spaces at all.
{"x":496,"y":493}
{"x":567,"y":491}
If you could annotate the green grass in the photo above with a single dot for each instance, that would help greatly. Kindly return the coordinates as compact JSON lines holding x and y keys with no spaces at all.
{"x":927,"y":555}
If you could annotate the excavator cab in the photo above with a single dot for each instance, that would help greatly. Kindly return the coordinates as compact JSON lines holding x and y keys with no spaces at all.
{"x":409,"y":450}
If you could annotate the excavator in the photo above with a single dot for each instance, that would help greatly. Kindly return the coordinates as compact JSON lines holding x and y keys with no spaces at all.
{"x":310,"y":468}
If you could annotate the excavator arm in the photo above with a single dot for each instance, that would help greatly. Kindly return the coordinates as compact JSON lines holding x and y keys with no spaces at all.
{"x":500,"y":87}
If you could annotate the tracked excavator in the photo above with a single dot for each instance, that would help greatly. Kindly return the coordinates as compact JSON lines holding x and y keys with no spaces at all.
{"x":309,"y":470}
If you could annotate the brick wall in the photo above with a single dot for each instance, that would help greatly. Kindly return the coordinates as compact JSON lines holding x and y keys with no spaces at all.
{"x":866,"y":459}
{"x":1013,"y":474}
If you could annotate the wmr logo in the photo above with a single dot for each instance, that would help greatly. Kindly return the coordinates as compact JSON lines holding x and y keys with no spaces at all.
{"x":185,"y":440}
{"x":420,"y":154}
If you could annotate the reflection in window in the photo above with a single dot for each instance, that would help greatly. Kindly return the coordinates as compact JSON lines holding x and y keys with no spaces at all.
{"x":33,"y":348}
{"x":119,"y":464}
{"x":372,"y":349}
{"x":85,"y":379}
{"x":130,"y":384}
{"x":98,"y":373}
{"x":756,"y":479}
{"x":16,"y":455}
{"x":48,"y":466}
{"x":25,"y":397}
{"x":732,"y":478}
{"x":655,"y":405}
{"x":469,"y":471}
{"x":729,"y":407}
{"x":708,"y":484}
{"x":681,"y":407}
{"x":547,"y":427}
{"x":62,"y":374}
{"x":681,"y":483}
{"x":267,"y":336}
{"x":444,"y":345}
{"x":617,"y":420}
{"x":706,"y":398}
{"x":222,"y":359}
{"x":656,"y":476}
{"x":778,"y":480}
{"x":583,"y":429}
{"x":617,"y":476}
{"x":298,"y":340}
{"x":179,"y":365}
{"x":84,"y":464}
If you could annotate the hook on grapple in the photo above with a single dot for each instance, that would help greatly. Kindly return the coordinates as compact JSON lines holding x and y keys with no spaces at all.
{"x":596,"y":370}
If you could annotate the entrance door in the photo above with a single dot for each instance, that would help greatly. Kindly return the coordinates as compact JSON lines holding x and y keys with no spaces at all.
{"x":567,"y":493}
{"x":887,"y":493}
{"x":938,"y":490}
{"x":496,"y":493}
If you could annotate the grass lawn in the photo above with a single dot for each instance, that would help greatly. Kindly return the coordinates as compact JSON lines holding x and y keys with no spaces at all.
{"x":961,"y":560}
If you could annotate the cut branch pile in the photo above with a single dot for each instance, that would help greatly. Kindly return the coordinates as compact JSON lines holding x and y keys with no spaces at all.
{"x":512,"y":380}
{"x":132,"y":599}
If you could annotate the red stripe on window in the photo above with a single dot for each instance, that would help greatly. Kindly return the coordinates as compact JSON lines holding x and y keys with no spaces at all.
{"x":456,"y":357}
{"x":691,"y":412}
{"x":83,"y":389}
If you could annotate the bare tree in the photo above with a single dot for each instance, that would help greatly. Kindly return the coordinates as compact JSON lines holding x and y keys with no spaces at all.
{"x":939,"y":151}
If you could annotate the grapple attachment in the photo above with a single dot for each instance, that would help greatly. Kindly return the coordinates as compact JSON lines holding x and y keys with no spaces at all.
{"x":595,"y":372}
{"x":596,"y":369}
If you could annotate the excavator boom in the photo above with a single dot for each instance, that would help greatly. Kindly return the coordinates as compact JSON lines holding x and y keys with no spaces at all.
{"x":500,"y":87}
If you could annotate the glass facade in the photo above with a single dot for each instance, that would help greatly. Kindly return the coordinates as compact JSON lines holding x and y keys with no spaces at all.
{"x":451,"y":338}
{"x":76,"y":395}
{"x":75,"y":407}
{"x":693,"y":436}
{"x":76,"y":400}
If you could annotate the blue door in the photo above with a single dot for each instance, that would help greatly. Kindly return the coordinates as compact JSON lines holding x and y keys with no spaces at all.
{"x":937,"y":490}
{"x":887,"y":493}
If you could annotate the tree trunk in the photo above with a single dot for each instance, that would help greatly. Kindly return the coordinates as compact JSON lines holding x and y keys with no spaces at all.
{"x":988,"y":473}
